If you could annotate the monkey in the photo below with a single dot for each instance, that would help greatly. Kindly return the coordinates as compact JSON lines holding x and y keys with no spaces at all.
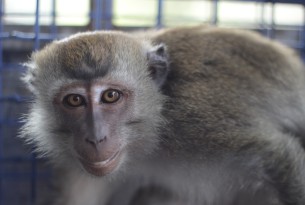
{"x":187,"y":115}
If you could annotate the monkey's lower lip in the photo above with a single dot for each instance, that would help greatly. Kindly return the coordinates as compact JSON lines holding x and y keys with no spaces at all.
{"x":103,"y":167}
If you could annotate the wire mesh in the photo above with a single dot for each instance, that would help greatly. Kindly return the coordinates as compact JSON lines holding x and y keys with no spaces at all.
{"x":20,"y":172}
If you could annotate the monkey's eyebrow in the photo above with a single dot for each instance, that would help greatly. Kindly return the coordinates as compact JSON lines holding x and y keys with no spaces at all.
{"x":76,"y":86}
{"x":64,"y":90}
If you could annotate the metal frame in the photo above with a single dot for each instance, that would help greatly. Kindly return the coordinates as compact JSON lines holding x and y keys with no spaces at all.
{"x":101,"y":19}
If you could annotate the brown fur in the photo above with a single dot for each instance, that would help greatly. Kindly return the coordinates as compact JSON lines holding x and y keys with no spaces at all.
{"x":235,"y":113}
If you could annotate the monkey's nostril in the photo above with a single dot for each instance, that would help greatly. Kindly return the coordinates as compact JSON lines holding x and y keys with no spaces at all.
{"x":92,"y":142}
{"x":101,"y":139}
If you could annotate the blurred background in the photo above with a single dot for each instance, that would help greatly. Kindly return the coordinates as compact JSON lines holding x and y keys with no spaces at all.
{"x":27,"y":25}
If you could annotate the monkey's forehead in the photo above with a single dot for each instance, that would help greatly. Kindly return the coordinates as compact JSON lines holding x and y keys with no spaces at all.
{"x":93,"y":53}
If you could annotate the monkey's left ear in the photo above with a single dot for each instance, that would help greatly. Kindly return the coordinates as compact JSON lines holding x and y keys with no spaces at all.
{"x":158,"y":64}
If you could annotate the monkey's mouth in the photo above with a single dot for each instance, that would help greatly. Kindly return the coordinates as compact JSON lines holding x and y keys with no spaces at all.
{"x":102,"y":168}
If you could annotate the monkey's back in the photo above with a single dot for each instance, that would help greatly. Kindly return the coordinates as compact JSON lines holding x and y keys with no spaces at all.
{"x":227,"y":81}
{"x":235,"y":101}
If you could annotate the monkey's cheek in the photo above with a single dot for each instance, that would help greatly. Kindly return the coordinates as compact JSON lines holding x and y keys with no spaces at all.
{"x":102,"y":168}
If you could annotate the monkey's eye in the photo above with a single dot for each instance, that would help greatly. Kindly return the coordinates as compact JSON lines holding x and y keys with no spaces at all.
{"x":111,"y":96}
{"x":74,"y":100}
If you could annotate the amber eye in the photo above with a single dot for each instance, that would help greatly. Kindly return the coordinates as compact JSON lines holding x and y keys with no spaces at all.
{"x":111,"y":96}
{"x":74,"y":100}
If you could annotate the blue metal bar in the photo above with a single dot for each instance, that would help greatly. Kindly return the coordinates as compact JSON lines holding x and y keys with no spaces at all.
{"x":25,"y":14}
{"x":18,"y":159}
{"x":159,"y":14}
{"x":33,"y":176}
{"x":12,"y":65}
{"x":265,"y":28}
{"x":37,"y":26}
{"x":13,"y":98}
{"x":108,"y":14}
{"x":25,"y":175}
{"x":303,"y":31}
{"x":53,"y":23}
{"x":214,"y":19}
{"x":262,"y":23}
{"x":98,"y":15}
{"x":1,"y":112}
{"x":27,"y":36}
{"x":272,"y":29}
{"x":1,"y":30}
{"x":8,"y":122}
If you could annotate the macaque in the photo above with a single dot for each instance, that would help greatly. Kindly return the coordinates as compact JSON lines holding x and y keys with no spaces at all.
{"x":198,"y":115}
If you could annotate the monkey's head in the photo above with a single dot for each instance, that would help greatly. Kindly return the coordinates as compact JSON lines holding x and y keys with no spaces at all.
{"x":97,"y":100}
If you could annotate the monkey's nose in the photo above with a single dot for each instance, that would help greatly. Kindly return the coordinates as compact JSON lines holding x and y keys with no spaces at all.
{"x":95,"y":141}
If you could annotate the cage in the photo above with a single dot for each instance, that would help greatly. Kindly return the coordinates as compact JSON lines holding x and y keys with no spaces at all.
{"x":26,"y":26}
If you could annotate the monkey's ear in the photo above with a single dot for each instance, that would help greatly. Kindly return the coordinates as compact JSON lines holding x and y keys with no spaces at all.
{"x":29,"y":76}
{"x":158,"y":63}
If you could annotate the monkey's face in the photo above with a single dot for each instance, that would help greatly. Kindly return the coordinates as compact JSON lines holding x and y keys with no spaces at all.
{"x":97,"y":100}
{"x":94,"y":115}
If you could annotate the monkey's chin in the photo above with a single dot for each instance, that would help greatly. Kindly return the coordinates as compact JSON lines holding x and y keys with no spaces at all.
{"x":102,"y":168}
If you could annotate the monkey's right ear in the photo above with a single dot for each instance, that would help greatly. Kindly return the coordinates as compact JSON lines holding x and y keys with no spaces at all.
{"x":158,"y":64}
